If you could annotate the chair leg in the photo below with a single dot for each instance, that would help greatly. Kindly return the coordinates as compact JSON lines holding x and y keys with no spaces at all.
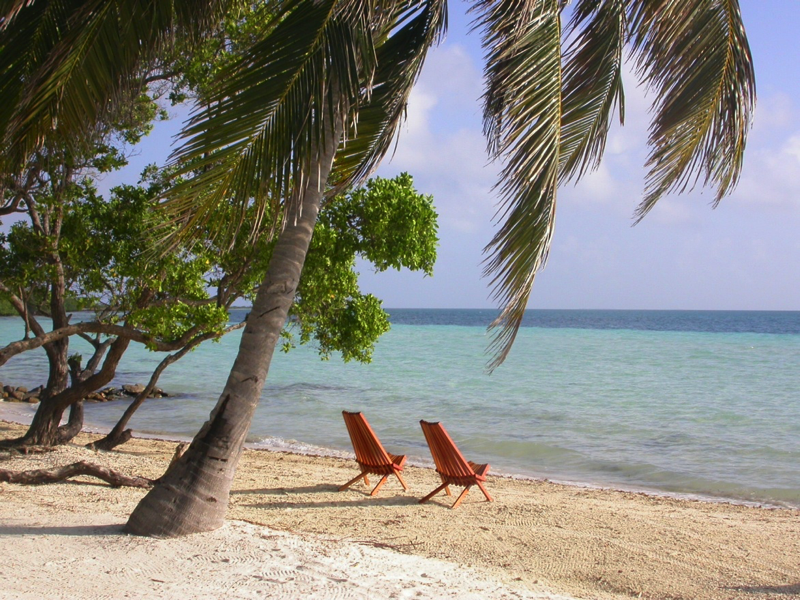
{"x":402,"y":481}
{"x":446,"y":487}
{"x":433,"y":493}
{"x":353,"y":480}
{"x":460,"y":497}
{"x":485,"y":493}
{"x":366,"y":479}
{"x":379,"y":486}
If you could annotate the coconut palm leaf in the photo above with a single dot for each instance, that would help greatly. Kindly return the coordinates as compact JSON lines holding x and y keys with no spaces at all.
{"x":415,"y":27}
{"x":694,"y":54}
{"x":9,"y":9}
{"x":254,"y":136}
{"x":592,"y":83}
{"x":22,"y":47}
{"x":253,"y":140}
{"x":522,"y":121}
{"x":84,"y":55}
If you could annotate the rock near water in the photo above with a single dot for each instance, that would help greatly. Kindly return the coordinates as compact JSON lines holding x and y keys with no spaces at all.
{"x":10,"y":393}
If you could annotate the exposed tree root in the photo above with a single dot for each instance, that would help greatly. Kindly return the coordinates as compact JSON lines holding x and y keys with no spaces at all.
{"x":41,"y":476}
{"x":22,"y":449}
{"x":111,"y":441}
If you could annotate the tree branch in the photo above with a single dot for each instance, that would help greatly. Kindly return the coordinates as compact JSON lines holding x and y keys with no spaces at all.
{"x":120,"y":331}
{"x":12,"y":206}
{"x":119,"y":435}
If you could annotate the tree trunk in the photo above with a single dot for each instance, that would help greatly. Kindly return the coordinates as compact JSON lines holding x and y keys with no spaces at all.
{"x":57,"y":351}
{"x":74,"y":425}
{"x":193,"y":494}
{"x":44,"y":428}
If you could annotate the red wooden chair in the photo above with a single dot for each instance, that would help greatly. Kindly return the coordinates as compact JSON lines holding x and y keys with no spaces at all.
{"x":451,"y":465}
{"x":370,"y":455}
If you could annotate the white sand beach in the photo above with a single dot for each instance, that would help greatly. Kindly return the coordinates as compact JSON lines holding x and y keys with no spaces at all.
{"x":59,"y":554}
{"x":290,"y":534}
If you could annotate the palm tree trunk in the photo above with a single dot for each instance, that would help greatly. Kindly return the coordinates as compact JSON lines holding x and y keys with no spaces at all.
{"x":193,"y":494}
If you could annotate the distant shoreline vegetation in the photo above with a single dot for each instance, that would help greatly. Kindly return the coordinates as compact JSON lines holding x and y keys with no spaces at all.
{"x":71,"y":305}
{"x":6,"y":310}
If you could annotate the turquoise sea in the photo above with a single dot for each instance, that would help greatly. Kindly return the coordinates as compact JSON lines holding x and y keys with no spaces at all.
{"x":681,"y":402}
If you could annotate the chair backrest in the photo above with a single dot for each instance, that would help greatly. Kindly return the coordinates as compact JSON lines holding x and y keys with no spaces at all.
{"x":447,"y":457}
{"x":366,"y":445}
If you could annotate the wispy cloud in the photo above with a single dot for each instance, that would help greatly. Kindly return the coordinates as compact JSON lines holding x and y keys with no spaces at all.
{"x":441,"y":144}
{"x":771,"y":175}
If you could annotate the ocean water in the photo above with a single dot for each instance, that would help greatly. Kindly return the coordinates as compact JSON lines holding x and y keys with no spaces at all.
{"x":682,"y":402}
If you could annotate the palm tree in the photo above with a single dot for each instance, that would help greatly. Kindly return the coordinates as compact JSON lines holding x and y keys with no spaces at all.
{"x":316,"y":102}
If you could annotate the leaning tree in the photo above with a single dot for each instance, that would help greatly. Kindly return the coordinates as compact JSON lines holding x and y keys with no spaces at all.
{"x":76,"y":244}
{"x":326,"y":82}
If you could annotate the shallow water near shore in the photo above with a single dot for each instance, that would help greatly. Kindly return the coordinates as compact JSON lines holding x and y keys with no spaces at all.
{"x":687,"y":402}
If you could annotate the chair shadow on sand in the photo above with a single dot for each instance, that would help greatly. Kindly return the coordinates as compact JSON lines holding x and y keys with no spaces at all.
{"x":347,"y":500}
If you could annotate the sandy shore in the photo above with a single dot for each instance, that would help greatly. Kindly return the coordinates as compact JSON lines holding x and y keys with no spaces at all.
{"x":290,"y":534}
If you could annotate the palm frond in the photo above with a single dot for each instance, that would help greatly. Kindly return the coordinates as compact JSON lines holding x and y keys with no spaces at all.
{"x":400,"y":53}
{"x":87,"y":52}
{"x":592,"y":84}
{"x":24,"y":48}
{"x":9,"y":9}
{"x":694,"y":54}
{"x":253,"y":138}
{"x":522,"y":121}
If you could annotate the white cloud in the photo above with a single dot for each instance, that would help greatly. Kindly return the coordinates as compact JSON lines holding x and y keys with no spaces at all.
{"x":598,"y":187}
{"x":773,"y":112}
{"x":771,"y":172}
{"x":771,"y":175}
{"x":441,"y":143}
{"x":420,"y":104}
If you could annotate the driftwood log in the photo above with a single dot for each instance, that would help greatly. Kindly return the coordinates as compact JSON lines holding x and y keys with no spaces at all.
{"x":41,"y":476}
{"x":110,"y":476}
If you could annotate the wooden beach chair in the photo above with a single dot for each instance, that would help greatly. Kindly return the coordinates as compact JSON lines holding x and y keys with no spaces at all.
{"x":451,"y":465}
{"x":370,"y":455}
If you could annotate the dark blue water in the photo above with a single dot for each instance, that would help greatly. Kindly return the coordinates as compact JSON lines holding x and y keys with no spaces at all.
{"x":705,"y":321}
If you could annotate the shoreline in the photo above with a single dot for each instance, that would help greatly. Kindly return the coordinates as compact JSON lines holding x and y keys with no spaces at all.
{"x":301,"y":448}
{"x":538,"y":538}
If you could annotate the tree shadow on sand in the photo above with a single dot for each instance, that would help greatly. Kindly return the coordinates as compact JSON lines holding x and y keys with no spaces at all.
{"x":77,"y":530}
{"x":792,"y":589}
{"x":349,"y":499}
{"x":282,"y":491}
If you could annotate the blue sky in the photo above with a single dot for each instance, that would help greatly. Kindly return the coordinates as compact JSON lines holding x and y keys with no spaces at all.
{"x":684,"y":255}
